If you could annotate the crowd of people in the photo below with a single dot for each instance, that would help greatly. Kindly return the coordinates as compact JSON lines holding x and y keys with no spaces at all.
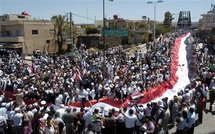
{"x":35,"y":97}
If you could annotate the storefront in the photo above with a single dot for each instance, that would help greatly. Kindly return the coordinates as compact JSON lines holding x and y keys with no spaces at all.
{"x":7,"y":48}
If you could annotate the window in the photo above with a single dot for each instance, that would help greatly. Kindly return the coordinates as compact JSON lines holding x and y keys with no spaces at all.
{"x":34,"y":32}
{"x":8,"y":33}
{"x":21,"y":16}
{"x":214,"y":18}
{"x":47,"y":41}
{"x":18,"y":33}
{"x":51,"y":31}
{"x":5,"y":16}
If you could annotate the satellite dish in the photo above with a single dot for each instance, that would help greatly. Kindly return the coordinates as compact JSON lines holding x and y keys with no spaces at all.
{"x":149,"y":2}
{"x":159,"y":1}
{"x":144,"y":17}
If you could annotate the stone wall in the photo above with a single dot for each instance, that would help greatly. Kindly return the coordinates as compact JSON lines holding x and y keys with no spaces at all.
{"x":97,"y":41}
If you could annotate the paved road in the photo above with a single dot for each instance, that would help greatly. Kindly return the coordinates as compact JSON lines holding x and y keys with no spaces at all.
{"x":208,"y":124}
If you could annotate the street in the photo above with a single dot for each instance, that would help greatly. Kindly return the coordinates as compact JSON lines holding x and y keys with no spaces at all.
{"x":208,"y":124}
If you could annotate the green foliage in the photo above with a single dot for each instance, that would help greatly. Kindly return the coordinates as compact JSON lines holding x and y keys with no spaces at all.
{"x":131,"y":34}
{"x":162,"y":29}
{"x":60,"y":28}
{"x":167,"y":19}
{"x":91,"y":30}
{"x":145,"y":37}
{"x":143,"y":25}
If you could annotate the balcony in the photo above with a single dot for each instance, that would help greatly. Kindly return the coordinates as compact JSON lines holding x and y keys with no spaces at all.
{"x":11,"y":22}
{"x":12,"y":39}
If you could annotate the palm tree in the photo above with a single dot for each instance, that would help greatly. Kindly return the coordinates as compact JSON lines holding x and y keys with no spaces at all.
{"x":60,"y":28}
{"x":74,"y":36}
{"x":144,"y":27}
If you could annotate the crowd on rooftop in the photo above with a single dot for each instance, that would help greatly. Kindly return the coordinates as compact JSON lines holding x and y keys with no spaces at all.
{"x":35,"y":97}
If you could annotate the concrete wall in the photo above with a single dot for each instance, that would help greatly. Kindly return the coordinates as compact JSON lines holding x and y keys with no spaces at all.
{"x":41,"y":41}
{"x":97,"y":41}
{"x":89,"y":41}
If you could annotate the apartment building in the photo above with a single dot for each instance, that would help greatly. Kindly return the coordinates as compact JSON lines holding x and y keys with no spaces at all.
{"x":22,"y":33}
{"x":119,"y":23}
{"x":124,"y":28}
{"x":207,"y":22}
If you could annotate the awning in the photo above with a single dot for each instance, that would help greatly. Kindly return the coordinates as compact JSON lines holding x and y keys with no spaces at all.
{"x":2,"y":44}
{"x":11,"y":45}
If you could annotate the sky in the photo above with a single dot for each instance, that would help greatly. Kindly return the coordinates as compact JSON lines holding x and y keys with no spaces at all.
{"x":87,"y":11}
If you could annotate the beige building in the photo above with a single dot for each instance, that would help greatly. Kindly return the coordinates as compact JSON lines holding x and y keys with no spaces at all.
{"x":120,"y":23}
{"x":25,"y":34}
{"x":136,"y":35}
{"x":207,"y":22}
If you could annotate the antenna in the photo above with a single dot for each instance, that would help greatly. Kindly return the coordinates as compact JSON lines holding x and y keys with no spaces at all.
{"x":87,"y":15}
{"x":212,"y":6}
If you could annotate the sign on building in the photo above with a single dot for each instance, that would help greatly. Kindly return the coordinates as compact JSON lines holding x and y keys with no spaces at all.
{"x":68,"y":41}
{"x":116,"y":33}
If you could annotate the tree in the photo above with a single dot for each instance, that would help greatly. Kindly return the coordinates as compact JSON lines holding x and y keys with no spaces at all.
{"x":74,"y":35}
{"x":60,"y":28}
{"x":167,"y":19}
{"x":160,"y":29}
{"x":91,"y":30}
{"x":131,"y":35}
{"x":143,"y":25}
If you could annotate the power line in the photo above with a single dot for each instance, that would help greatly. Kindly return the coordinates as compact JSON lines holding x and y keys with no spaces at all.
{"x":77,"y":15}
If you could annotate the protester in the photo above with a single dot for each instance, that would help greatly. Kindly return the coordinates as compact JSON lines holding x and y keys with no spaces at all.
{"x":68,"y":119}
{"x":191,"y":119}
{"x":181,"y":121}
{"x":130,"y":121}
{"x":17,"y":119}
{"x":148,"y":126}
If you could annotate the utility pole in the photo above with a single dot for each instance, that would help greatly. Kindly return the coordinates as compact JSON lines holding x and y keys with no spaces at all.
{"x":104,"y":26}
{"x":70,"y":26}
{"x":148,"y":29}
{"x":69,"y":39}
{"x":154,"y":35}
{"x":154,"y":2}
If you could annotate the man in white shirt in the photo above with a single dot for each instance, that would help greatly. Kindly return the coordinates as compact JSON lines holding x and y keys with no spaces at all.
{"x":130,"y":121}
{"x":186,"y":96}
{"x":85,"y":97}
{"x":18,"y":120}
{"x":191,"y":120}
{"x":92,"y":94}
{"x":59,"y":100}
{"x":3,"y":111}
{"x":58,"y":122}
{"x":87,"y":118}
{"x":3,"y":124}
